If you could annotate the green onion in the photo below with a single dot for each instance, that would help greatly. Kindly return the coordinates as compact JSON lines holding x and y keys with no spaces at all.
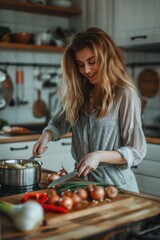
{"x":76,"y":185}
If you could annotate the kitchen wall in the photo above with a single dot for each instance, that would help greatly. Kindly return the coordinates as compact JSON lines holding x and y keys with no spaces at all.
{"x":34,"y":23}
{"x":93,"y":15}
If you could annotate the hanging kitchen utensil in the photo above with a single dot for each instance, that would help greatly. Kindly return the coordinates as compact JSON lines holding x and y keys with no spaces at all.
{"x":40,"y":107}
{"x":6,"y":89}
{"x":149,"y":83}
{"x":18,"y":82}
{"x":20,"y":87}
{"x":23,"y":100}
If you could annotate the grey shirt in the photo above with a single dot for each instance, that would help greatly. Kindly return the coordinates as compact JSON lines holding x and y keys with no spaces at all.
{"x":119,"y":130}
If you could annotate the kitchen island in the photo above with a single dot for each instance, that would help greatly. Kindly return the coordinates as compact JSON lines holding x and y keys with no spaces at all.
{"x":127,"y":213}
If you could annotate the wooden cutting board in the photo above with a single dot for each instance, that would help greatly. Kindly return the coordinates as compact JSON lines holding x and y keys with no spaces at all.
{"x":149,"y":83}
{"x":88,"y":219}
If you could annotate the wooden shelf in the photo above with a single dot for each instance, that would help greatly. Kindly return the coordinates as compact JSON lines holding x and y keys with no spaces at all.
{"x":30,"y":47}
{"x":39,"y":9}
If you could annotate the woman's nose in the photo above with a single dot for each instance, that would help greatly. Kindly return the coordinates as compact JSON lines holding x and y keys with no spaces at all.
{"x":87,"y":68}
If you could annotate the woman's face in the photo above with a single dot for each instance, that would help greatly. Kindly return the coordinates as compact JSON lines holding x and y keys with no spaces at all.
{"x":87,"y":65}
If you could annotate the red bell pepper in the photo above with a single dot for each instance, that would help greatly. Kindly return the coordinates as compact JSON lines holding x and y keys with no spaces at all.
{"x":53,"y":208}
{"x":39,"y":197}
{"x":42,"y":198}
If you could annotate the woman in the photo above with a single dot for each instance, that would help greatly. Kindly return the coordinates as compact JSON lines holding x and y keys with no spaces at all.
{"x":101,"y":106}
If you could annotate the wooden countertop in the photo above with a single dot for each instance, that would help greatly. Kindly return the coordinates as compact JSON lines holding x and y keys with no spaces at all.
{"x":34,"y":137}
{"x":153,"y":140}
{"x":87,"y":221}
{"x":24,"y":138}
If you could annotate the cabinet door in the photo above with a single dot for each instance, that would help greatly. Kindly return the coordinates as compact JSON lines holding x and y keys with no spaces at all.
{"x":58,"y":155}
{"x":148,"y":171}
{"x":148,"y":185}
{"x":16,"y":150}
{"x":136,"y":22}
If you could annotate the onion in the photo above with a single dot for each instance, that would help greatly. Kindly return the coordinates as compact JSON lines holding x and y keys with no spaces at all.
{"x":54,"y":197}
{"x":82,"y":193}
{"x":62,"y":171}
{"x":76,"y":199}
{"x":111,"y":192}
{"x":52,"y":177}
{"x":90,"y":187}
{"x":97,"y":193}
{"x":68,"y":193}
{"x":66,"y":202}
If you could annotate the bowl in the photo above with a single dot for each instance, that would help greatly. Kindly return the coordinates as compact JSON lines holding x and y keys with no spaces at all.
{"x":42,"y":38}
{"x":60,"y":3}
{"x":21,"y":37}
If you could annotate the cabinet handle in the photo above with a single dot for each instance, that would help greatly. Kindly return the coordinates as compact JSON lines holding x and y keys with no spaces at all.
{"x":20,"y":148}
{"x":65,"y":143}
{"x":140,"y":36}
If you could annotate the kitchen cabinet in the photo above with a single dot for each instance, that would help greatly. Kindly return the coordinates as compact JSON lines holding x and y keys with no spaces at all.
{"x":57,"y":155}
{"x":148,"y":171}
{"x":136,"y":22}
{"x":16,"y":5}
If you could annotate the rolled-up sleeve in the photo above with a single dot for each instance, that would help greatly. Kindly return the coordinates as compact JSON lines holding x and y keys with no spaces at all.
{"x":133,"y":140}
{"x":58,"y":124}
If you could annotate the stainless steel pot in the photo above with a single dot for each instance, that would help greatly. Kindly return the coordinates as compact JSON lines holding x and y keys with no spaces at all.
{"x":19,"y":177}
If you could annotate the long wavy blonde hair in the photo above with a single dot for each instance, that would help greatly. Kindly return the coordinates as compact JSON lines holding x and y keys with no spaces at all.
{"x":112,"y":73}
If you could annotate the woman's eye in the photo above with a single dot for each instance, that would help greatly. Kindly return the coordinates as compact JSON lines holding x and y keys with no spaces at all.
{"x":80,"y":64}
{"x":92,"y":61}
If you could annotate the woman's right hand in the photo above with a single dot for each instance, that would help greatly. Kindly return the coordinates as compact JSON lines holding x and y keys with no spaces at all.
{"x":41,"y":145}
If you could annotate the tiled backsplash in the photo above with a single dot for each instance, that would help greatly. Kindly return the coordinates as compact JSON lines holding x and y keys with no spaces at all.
{"x":34,"y":23}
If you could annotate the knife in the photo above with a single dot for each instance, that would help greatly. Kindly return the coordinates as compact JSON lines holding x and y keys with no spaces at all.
{"x":33,"y":157}
{"x":63,"y":179}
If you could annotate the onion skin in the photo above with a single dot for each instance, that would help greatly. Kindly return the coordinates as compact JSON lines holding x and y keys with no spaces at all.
{"x":90,"y":187}
{"x":68,"y":193}
{"x":76,"y":199}
{"x":53,"y":197}
{"x":62,"y":172}
{"x":82,"y":193}
{"x":111,"y":192}
{"x":98,"y":193}
{"x":52,"y":177}
{"x":66,"y":202}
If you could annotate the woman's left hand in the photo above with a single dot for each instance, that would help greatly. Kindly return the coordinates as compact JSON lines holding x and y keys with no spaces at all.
{"x":88,"y":164}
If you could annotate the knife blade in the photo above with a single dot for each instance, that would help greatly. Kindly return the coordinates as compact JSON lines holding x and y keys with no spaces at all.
{"x":33,"y":157}
{"x":63,"y":179}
